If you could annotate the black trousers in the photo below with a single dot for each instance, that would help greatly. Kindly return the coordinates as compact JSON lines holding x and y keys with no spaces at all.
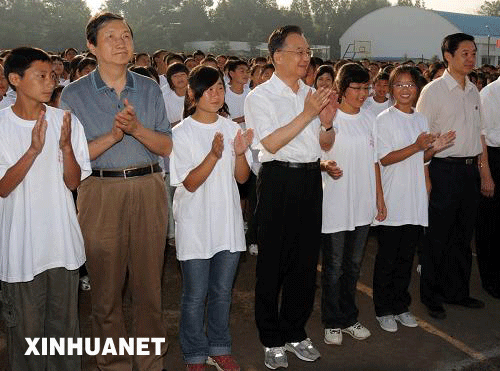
{"x":447,"y":256}
{"x":289,"y":207}
{"x":488,"y":230}
{"x":393,"y":265}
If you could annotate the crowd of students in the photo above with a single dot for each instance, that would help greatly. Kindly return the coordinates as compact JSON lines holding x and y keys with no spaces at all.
{"x":242,"y":175}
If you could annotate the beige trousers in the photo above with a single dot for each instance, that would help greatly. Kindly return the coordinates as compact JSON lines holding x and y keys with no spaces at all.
{"x":124,"y":225}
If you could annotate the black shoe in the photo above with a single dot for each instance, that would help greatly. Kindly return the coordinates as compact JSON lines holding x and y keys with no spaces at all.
{"x":436,"y":311}
{"x":468,"y":303}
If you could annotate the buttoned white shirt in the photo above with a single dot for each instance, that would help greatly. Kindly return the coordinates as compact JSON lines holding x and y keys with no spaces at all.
{"x":490,"y":104}
{"x":449,"y":107}
{"x":273,"y":105}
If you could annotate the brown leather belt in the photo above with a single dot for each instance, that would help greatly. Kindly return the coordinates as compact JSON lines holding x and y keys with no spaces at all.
{"x":127,"y":173}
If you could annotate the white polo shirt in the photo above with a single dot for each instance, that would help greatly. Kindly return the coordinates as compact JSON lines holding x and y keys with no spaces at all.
{"x":449,"y":107}
{"x":273,"y":105}
{"x":490,"y":103}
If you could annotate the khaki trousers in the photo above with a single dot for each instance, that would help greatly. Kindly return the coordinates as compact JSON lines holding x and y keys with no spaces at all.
{"x":46,"y":307}
{"x":124,"y":225}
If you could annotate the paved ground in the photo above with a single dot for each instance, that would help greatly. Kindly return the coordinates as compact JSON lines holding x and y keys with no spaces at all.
{"x":467,"y":340}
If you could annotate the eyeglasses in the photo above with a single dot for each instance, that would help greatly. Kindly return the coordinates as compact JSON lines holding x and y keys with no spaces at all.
{"x":302,"y":53}
{"x":409,"y":85}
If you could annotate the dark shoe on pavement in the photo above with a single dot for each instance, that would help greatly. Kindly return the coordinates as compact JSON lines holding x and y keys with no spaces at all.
{"x":436,"y":311}
{"x":468,"y":303}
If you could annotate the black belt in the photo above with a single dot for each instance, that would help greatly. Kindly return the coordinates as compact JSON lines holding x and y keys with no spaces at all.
{"x":127,"y":173}
{"x":293,"y":165}
{"x":458,"y":160}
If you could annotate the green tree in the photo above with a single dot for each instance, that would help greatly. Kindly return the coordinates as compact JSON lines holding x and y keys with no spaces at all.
{"x":491,"y":8}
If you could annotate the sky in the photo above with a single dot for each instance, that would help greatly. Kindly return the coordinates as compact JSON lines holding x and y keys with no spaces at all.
{"x":456,"y":6}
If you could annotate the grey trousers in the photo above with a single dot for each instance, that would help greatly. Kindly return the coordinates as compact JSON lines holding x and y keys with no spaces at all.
{"x":46,"y":307}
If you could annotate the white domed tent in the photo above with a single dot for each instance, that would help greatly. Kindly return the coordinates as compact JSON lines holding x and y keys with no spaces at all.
{"x":400,"y":32}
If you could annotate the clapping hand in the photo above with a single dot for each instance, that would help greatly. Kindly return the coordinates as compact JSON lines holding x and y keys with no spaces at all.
{"x":38,"y":133}
{"x":126,"y":120}
{"x":242,"y":141}
{"x":217,"y":145}
{"x":332,"y":169}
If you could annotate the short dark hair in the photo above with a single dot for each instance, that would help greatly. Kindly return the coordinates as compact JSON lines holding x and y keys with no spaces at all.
{"x":55,"y":57}
{"x":405,"y":70}
{"x":278,"y":36}
{"x":97,"y":21}
{"x":434,"y":69}
{"x":321,"y":71}
{"x":350,"y":73}
{"x":144,"y":71}
{"x":381,"y":76}
{"x":451,"y":42}
{"x":173,"y":56}
{"x":200,"y":79}
{"x":20,"y":59}
{"x":86,"y":62}
{"x":173,"y":69}
{"x":198,"y":52}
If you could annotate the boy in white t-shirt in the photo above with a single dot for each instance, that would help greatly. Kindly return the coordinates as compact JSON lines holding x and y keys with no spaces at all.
{"x":43,"y":156}
{"x":379,"y":101}
{"x":239,"y":74}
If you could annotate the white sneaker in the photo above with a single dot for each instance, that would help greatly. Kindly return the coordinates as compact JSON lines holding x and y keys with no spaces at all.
{"x":275,"y":358}
{"x":333,"y":336}
{"x":304,"y":350}
{"x":407,"y":319}
{"x":357,"y":331}
{"x":253,"y":249}
{"x":388,"y":323}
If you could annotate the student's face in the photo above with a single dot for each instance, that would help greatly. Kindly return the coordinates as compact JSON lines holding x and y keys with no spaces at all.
{"x":404,"y":90}
{"x":240,"y":75}
{"x":160,"y":63}
{"x":58,"y":67}
{"x":143,"y":61}
{"x":179,"y":80}
{"x":37,"y":83}
{"x":212,"y":99}
{"x":355,"y":95}
{"x":4,"y":84}
{"x":70,"y":55}
{"x":266,"y":75}
{"x":88,"y":69}
{"x":464,"y":59}
{"x":381,"y":88}
{"x":210,"y":64}
{"x":256,"y":76}
{"x":293,"y":59}
{"x":114,"y":44}
{"x":191,"y":64}
{"x":324,"y":81}
{"x":221,"y":61}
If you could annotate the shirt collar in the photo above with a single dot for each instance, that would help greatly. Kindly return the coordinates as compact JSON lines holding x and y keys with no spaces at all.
{"x":100,"y":85}
{"x":452,"y":83}
{"x":283,"y":88}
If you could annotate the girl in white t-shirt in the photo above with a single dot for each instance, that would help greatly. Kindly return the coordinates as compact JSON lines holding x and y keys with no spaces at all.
{"x":402,"y":139}
{"x":210,"y":155}
{"x":350,"y":204}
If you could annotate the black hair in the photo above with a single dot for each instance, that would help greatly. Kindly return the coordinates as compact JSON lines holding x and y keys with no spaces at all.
{"x":277,"y":39}
{"x":170,"y":57}
{"x":233,"y":65}
{"x":414,"y":73}
{"x":260,"y":59}
{"x":84,"y":63}
{"x":434,"y":69}
{"x":55,"y":57}
{"x":198,"y":52}
{"x":70,"y":49}
{"x":451,"y":42}
{"x":321,"y":71}
{"x":20,"y":59}
{"x":97,"y":21}
{"x":315,"y":62}
{"x":173,"y":69}
{"x":209,"y":59}
{"x":350,"y":73}
{"x":381,"y":76}
{"x":158,"y":53}
{"x":56,"y":93}
{"x":268,"y":66}
{"x":143,"y":71}
{"x":200,"y":79}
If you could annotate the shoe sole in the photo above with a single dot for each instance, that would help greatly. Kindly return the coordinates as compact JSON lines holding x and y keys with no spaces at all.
{"x":274,"y":368}
{"x":406,"y":324}
{"x":356,"y":337}
{"x":291,"y":349}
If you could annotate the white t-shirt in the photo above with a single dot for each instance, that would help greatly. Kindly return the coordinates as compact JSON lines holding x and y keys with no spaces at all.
{"x":350,"y":201}
{"x":174,"y":105}
{"x":38,"y":225}
{"x":235,"y":102}
{"x":164,"y":82}
{"x":403,"y":183}
{"x":208,"y":220}
{"x":375,"y":107}
{"x":9,"y":98}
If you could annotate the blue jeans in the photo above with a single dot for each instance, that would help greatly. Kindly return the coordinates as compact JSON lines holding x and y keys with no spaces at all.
{"x":342,"y":256}
{"x":211,"y":281}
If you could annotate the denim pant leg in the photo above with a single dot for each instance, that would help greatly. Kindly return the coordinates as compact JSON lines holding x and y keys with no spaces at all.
{"x":223,"y":267}
{"x":194,"y":342}
{"x":342,"y":256}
